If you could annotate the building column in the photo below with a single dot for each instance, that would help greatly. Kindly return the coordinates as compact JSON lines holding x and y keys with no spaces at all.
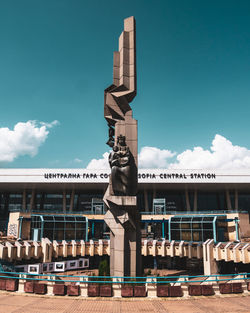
{"x":228,"y":200}
{"x":32,"y":200}
{"x":64,"y":201}
{"x":24,"y":204}
{"x":146,"y":200}
{"x":209,"y":263}
{"x":154,"y":195}
{"x":187,"y":200}
{"x":72,"y":198}
{"x":236,"y":199}
{"x":195,"y":200}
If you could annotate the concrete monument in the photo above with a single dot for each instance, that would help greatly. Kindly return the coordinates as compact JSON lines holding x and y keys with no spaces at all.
{"x":122,"y":216}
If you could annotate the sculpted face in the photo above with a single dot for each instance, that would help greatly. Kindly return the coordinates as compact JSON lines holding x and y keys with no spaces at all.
{"x":121,"y":140}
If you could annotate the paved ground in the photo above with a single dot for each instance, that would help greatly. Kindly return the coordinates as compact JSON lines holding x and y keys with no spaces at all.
{"x":35,"y":304}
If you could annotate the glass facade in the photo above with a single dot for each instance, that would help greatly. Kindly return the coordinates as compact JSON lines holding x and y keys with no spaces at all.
{"x":192,"y":228}
{"x":58,"y":227}
{"x":90,"y":201}
{"x":198,"y":228}
{"x":175,"y":200}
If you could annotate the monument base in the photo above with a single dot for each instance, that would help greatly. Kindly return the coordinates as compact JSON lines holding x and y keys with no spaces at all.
{"x":125,"y":241}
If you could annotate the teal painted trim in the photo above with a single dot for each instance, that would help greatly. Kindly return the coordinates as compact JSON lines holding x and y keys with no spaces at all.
{"x":84,"y":276}
{"x":163,"y":229}
{"x":20,"y":227}
{"x":42,"y":227}
{"x":93,"y":229}
{"x":169,"y":229}
{"x":134,"y":281}
{"x":214,"y":229}
{"x":237,"y":228}
{"x":87,"y":228}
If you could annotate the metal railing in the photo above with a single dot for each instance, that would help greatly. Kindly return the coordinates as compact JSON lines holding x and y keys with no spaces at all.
{"x":126,"y":279}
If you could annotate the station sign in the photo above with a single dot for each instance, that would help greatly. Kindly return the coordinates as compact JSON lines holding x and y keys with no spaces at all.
{"x":102,"y":176}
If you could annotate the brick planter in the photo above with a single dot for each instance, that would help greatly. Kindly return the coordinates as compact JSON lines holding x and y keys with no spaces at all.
{"x":11,"y":284}
{"x":139,"y":291}
{"x":59,"y":290}
{"x":93,"y":290}
{"x":73,"y":290}
{"x":162,"y":290}
{"x":175,"y":291}
{"x":237,"y":288}
{"x":29,"y":286}
{"x":40,"y":288}
{"x":2,"y":284}
{"x":207,"y":290}
{"x":127,"y":291}
{"x":106,"y":290}
{"x":225,"y":288}
{"x":248,"y":286}
{"x":194,"y":290}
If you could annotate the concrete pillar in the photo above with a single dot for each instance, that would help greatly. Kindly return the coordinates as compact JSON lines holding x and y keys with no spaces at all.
{"x":83,"y":248}
{"x":151,"y":287}
{"x":64,"y":201}
{"x":20,"y":251}
{"x":10,"y":251}
{"x":47,"y":249}
{"x":209,"y":263}
{"x":21,"y":282}
{"x":228,"y":200}
{"x":154,"y":196}
{"x":24,"y":204}
{"x":50,"y":285}
{"x":84,"y":286}
{"x":236,"y":199}
{"x":195,"y":200}
{"x":117,"y":287}
{"x":72,"y":197}
{"x":146,"y":200}
{"x":187,"y":200}
{"x":32,"y":200}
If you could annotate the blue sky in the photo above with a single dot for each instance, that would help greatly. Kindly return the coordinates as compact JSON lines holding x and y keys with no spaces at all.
{"x":193,"y":69}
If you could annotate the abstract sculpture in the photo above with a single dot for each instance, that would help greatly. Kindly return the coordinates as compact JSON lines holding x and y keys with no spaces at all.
{"x":122,"y":216}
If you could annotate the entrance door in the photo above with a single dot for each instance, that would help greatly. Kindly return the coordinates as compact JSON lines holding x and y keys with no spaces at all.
{"x":35,"y":234}
{"x":221,"y":236}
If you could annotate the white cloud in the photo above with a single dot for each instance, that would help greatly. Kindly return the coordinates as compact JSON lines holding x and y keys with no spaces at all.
{"x":222,"y":155}
{"x":76,"y":160}
{"x":99,"y":164}
{"x":24,"y":139}
{"x":50,"y":125}
{"x":151,"y":157}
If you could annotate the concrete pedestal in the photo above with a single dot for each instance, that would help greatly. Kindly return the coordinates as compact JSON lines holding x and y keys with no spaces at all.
{"x":125,"y":240}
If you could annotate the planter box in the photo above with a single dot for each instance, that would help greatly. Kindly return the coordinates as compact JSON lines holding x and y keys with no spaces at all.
{"x":93,"y":290}
{"x":139,"y":291}
{"x":225,"y":288}
{"x":207,"y":290}
{"x":162,"y":290}
{"x":248,"y":286}
{"x":127,"y":291}
{"x":106,"y":290}
{"x":11,"y":284}
{"x":194,"y":290}
{"x":237,"y":288}
{"x":40,"y":289}
{"x":29,"y":286}
{"x":59,"y":289}
{"x":73,"y":290}
{"x":175,"y":291}
{"x":2,"y":284}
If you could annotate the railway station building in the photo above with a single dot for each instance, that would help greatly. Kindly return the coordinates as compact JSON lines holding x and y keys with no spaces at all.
{"x":180,"y":205}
